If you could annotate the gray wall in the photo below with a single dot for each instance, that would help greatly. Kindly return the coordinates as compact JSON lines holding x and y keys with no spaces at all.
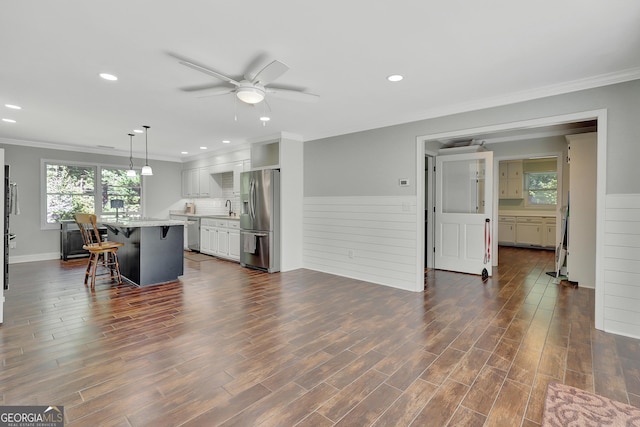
{"x":369,"y":163}
{"x":160,"y":191}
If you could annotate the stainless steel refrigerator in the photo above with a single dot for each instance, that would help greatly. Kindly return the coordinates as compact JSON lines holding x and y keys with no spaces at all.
{"x":260,"y":219}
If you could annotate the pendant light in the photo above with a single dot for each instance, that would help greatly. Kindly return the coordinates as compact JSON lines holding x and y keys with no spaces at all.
{"x":146,"y":169}
{"x":131,"y":173}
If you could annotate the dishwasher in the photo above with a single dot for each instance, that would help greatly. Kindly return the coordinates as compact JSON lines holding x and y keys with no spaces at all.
{"x":191,"y":231}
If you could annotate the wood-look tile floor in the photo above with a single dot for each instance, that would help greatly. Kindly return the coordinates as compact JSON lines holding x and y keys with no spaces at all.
{"x":235,"y":347}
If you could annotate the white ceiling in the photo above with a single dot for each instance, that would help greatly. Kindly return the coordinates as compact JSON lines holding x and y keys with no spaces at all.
{"x":455,"y":55}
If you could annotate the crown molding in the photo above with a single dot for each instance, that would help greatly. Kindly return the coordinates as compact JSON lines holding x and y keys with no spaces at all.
{"x":82,"y":149}
{"x":531,"y":94}
{"x":586,"y":83}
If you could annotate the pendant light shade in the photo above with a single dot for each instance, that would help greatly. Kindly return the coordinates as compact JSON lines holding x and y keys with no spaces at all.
{"x":146,"y":169}
{"x":131,"y":173}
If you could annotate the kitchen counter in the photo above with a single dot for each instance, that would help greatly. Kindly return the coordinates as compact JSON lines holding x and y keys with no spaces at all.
{"x":179,"y":213}
{"x":125,"y":223}
{"x":153,"y":249}
{"x":529,"y":212}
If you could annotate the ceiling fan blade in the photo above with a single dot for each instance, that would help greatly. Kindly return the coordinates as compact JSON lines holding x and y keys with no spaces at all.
{"x":215,"y":92}
{"x":205,"y":86}
{"x":203,"y":69}
{"x":270,"y":72}
{"x":293,"y":95}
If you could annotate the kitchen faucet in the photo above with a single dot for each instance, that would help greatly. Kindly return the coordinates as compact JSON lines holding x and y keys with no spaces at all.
{"x":225,"y":205}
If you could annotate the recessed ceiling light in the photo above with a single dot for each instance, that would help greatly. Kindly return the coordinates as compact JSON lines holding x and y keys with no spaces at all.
{"x":138,"y":131}
{"x":203,"y":148}
{"x":108,"y":76}
{"x":226,"y":141}
{"x":8,"y":120}
{"x":13,"y":107}
{"x":265,"y":118}
{"x":395,"y":78}
{"x":184,"y":152}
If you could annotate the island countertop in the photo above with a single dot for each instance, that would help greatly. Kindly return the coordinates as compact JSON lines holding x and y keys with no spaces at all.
{"x":150,"y":222}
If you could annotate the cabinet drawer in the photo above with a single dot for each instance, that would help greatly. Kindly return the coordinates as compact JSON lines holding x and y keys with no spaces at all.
{"x":529,"y":220}
{"x":234,"y":225}
{"x":507,"y":218}
{"x":206,"y":222}
{"x":222,"y":223}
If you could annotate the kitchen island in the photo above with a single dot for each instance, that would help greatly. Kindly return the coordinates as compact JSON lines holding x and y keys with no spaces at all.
{"x":153,"y":249}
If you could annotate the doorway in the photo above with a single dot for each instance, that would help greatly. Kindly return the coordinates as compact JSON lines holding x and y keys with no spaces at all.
{"x":427,"y":146}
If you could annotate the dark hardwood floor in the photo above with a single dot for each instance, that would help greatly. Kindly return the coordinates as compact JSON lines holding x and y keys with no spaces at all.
{"x":235,"y":347}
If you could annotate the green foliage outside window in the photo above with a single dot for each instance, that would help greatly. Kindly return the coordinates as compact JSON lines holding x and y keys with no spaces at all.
{"x":116,"y":185}
{"x":72,"y":188}
{"x":542,"y":188}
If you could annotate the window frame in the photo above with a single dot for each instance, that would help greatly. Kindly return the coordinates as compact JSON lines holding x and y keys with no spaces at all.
{"x":97,"y":168}
{"x":525,"y":190}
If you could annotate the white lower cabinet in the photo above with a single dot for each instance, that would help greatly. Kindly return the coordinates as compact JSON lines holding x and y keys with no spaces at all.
{"x":205,"y":246}
{"x":221,"y":238}
{"x":527,"y":231}
{"x":507,"y":230}
{"x":234,"y":244}
{"x":549,"y":232}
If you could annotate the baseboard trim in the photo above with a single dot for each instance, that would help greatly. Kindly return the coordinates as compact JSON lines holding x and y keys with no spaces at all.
{"x":35,"y":257}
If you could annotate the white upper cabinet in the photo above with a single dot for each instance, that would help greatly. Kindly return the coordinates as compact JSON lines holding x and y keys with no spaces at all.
{"x":196,"y":183}
{"x":510,"y":185}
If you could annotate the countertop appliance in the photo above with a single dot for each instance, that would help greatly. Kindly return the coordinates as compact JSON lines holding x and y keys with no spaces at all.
{"x":260,"y":219}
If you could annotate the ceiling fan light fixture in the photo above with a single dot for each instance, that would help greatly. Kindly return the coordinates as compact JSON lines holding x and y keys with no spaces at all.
{"x":250,"y":94}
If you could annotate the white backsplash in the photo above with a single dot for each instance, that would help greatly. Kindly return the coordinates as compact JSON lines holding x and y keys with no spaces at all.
{"x":216,"y":206}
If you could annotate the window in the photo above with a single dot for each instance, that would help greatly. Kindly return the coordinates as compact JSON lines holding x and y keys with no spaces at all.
{"x":116,"y":185}
{"x":71,"y":188}
{"x":541,"y":188}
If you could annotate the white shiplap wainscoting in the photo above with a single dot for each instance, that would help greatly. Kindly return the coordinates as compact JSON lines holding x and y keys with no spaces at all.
{"x":621,"y":293}
{"x":367,"y":238}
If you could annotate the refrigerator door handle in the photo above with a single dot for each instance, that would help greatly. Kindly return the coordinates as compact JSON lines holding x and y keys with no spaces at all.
{"x":252,"y":194}
{"x":260,"y":234}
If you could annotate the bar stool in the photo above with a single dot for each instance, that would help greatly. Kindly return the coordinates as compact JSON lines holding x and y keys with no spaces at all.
{"x":103,"y":254}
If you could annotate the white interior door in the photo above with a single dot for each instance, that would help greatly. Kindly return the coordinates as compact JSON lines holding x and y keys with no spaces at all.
{"x":464,"y":203}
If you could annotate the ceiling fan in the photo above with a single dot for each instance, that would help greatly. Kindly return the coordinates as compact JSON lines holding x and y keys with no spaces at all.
{"x":251,"y":88}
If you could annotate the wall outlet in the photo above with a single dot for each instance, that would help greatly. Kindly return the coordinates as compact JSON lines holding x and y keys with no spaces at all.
{"x":12,"y":244}
{"x":350,"y":253}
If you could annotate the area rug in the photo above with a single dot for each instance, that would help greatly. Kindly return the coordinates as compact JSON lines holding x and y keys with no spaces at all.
{"x":566,"y":406}
{"x":196,"y":257}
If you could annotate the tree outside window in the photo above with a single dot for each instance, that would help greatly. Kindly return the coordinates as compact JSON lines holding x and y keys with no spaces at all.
{"x":541,"y":188}
{"x":73,"y":188}
{"x":70,"y":189}
{"x":116,"y":185}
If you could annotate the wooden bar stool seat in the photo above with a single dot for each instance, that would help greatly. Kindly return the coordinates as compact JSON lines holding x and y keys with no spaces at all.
{"x":101,"y":254}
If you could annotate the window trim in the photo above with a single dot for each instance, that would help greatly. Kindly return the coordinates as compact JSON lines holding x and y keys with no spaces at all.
{"x":44,"y":225}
